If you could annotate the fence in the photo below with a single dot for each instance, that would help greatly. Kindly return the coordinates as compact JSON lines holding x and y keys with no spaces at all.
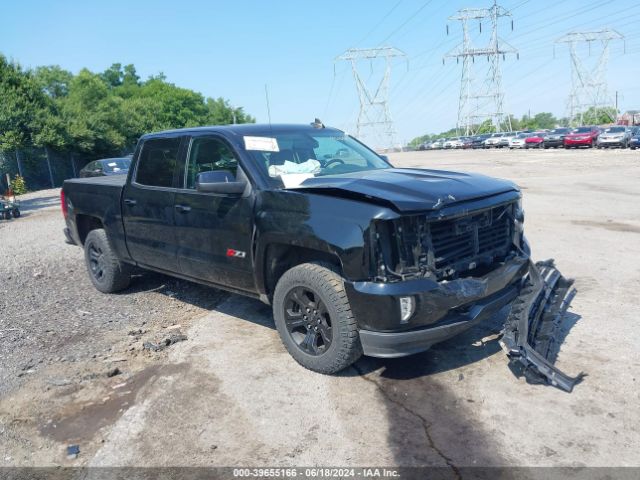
{"x":41,"y":168}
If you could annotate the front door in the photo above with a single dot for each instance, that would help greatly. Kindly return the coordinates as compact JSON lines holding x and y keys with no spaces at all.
{"x":148,"y":205}
{"x":214,"y":230}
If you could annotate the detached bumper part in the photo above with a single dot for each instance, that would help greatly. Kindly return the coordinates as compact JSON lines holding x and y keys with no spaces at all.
{"x":532,"y":332}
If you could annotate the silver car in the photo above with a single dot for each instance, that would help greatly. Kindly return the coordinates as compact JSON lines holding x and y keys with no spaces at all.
{"x":616,"y":136}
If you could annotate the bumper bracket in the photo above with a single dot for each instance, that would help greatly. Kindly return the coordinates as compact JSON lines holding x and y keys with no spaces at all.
{"x":531,"y":335}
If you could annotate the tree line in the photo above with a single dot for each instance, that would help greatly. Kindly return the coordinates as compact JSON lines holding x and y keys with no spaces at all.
{"x":96,"y":115}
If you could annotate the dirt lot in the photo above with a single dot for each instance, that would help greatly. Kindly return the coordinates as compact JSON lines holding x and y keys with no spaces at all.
{"x":230,"y":395}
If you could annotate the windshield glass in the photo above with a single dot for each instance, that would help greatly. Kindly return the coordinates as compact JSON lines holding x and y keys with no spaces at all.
{"x":292,"y":157}
{"x":524,"y":135}
{"x":116,"y":165}
{"x":560,"y":130}
{"x":615,"y":130}
{"x":582,"y":130}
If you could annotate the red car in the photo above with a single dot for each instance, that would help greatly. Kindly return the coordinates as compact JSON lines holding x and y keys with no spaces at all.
{"x":581,"y":137}
{"x":536,"y":140}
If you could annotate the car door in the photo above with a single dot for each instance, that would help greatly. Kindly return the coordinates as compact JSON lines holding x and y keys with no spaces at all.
{"x":214,"y":231}
{"x":148,"y":204}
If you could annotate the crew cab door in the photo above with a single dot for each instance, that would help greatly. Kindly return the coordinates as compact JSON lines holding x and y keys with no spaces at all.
{"x":148,"y":204}
{"x":214,"y":231}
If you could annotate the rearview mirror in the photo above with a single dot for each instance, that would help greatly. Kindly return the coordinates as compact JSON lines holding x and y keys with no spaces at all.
{"x":219,"y":181}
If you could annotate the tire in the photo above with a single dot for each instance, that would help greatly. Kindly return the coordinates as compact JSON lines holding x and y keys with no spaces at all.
{"x":107,"y":273}
{"x":332,"y":344}
{"x":6,"y":214}
{"x":16,"y":213}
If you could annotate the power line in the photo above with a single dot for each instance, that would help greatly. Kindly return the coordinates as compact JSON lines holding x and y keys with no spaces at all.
{"x":374,"y":116}
{"x":472,"y":100}
{"x":588,"y":86}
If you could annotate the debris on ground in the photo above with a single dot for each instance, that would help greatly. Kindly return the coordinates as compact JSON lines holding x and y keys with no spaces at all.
{"x":113,"y":372}
{"x":73,"y":451}
{"x":170,"y":340}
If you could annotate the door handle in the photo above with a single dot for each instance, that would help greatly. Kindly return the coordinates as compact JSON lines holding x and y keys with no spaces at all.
{"x":183,"y":208}
{"x":130,"y":202}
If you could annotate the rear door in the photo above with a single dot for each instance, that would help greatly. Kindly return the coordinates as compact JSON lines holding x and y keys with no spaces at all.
{"x":148,"y":204}
{"x":214,"y":230}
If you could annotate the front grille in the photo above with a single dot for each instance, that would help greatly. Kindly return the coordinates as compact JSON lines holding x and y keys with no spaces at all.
{"x":465,"y":240}
{"x":444,"y":248}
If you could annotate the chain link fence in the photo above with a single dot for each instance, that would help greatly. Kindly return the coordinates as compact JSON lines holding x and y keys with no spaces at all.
{"x":41,"y":168}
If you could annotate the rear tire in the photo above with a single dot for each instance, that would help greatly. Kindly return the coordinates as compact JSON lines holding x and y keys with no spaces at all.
{"x":107,"y":273}
{"x":314,"y":318}
{"x":16,"y":213}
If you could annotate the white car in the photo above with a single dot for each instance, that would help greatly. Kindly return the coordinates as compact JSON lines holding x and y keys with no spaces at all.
{"x":493,"y":140}
{"x":518,"y":141}
{"x":453,"y":143}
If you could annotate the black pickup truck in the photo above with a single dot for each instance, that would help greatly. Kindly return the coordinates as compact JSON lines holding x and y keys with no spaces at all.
{"x":355,"y":256}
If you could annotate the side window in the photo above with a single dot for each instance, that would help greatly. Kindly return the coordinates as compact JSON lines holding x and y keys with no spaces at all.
{"x":208,"y":154}
{"x":157,"y":162}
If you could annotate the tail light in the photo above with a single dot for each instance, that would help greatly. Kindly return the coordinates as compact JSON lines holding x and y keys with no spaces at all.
{"x":63,"y":203}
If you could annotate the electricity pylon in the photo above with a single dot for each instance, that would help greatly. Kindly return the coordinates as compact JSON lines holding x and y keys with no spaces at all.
{"x":374,"y":115}
{"x":589,"y":85}
{"x":487,"y":102}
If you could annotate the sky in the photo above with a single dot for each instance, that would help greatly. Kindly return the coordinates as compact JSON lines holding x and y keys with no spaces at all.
{"x":234,"y":49}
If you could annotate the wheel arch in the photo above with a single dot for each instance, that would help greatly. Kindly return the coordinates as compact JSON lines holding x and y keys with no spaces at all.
{"x":86,"y":223}
{"x":277,"y":258}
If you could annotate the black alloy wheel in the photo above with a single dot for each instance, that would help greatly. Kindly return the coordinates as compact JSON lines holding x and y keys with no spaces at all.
{"x":308,"y":321}
{"x":96,"y":262}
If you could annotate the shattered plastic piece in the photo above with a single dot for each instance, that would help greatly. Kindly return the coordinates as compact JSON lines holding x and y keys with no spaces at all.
{"x":532,"y":330}
{"x":170,"y":340}
{"x":73,"y":451}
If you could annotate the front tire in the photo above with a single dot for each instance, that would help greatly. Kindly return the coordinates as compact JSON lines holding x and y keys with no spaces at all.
{"x":107,"y":273}
{"x":314,"y":318}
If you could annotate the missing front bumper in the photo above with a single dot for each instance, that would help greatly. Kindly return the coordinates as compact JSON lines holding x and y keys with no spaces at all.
{"x":534,"y":328}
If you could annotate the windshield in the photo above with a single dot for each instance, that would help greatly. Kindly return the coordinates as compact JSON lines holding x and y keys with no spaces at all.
{"x":292,"y":157}
{"x":114,"y":165}
{"x":524,"y":135}
{"x":560,"y":130}
{"x":615,"y":130}
{"x":582,"y":130}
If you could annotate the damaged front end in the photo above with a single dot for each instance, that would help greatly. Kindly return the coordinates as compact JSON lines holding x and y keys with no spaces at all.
{"x":457,"y":270}
{"x":534,"y":327}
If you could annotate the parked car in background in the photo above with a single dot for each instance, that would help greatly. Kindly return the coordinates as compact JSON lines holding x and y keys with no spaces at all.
{"x":437,"y":144}
{"x":555,"y":138}
{"x":506,"y":138}
{"x":518,"y":141}
{"x":581,"y":137}
{"x":478,"y":140}
{"x":634,"y":141}
{"x":534,"y":140}
{"x":616,"y":136}
{"x":454,"y":142}
{"x":424,"y":146}
{"x":493,"y":140}
{"x":106,"y":167}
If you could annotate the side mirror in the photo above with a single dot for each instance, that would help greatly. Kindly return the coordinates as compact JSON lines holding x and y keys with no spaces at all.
{"x":219,"y":181}
{"x":384,"y":157}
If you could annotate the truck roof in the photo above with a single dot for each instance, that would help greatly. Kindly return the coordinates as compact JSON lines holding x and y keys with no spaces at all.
{"x":254,"y":129}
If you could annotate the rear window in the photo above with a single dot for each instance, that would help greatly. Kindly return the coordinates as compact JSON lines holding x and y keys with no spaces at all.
{"x":157,"y":162}
{"x":116,"y":165}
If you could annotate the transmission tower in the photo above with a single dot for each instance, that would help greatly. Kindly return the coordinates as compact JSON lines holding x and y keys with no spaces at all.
{"x":487,"y":102}
{"x":374,"y":115}
{"x":589,"y":85}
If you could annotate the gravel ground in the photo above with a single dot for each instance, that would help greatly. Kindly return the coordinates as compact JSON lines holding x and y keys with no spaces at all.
{"x":57,"y":332}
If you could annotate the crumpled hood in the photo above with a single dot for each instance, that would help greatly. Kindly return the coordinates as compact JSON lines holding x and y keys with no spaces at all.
{"x":410,"y":189}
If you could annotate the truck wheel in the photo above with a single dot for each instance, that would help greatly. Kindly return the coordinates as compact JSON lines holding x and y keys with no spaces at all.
{"x":16,"y":213}
{"x":314,"y":319}
{"x":107,"y":273}
{"x":6,"y":214}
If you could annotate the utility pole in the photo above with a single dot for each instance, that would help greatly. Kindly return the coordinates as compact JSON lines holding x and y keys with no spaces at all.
{"x":476,"y":104}
{"x":589,"y":85}
{"x":374,"y":117}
